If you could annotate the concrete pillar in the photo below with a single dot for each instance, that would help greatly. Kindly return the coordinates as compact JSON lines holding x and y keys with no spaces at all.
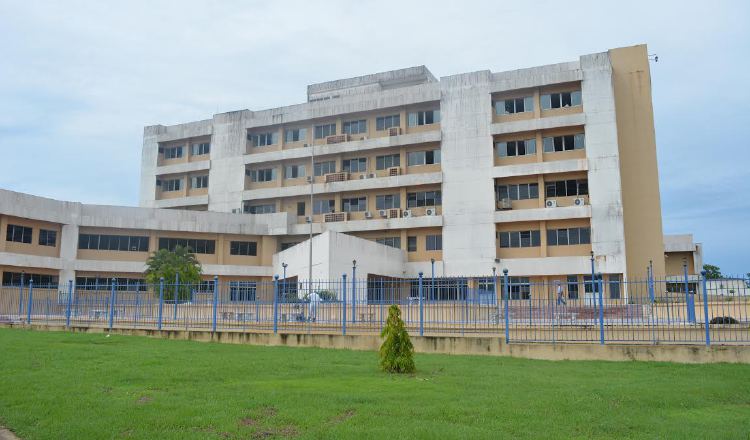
{"x":68,"y":253}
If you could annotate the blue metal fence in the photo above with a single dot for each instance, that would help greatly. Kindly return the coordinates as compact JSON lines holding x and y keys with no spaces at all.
{"x":690,"y":309}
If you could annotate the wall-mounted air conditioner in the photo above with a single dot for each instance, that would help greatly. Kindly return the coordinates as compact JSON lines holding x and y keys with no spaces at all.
{"x":430,"y":211}
{"x":406,"y":213}
{"x":551,"y":203}
{"x":505,"y":203}
{"x":383,"y":213}
{"x":580,"y":201}
{"x":368,"y":214}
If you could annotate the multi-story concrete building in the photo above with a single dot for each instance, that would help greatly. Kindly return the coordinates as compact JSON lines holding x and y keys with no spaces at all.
{"x":532,"y":170}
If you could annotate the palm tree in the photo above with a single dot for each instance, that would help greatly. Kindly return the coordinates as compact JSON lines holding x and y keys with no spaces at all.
{"x":168,"y":264}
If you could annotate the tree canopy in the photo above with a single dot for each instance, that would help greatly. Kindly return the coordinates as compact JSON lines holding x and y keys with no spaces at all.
{"x":168,"y":264}
{"x":712,"y":272}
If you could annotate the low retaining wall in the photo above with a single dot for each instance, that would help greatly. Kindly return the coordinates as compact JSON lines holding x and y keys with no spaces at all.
{"x":456,"y":345}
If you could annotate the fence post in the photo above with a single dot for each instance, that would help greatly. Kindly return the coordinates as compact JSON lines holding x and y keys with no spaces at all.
{"x":600,"y":283}
{"x":216,"y":303}
{"x":112,"y":303}
{"x":505,"y":301}
{"x":20,"y":298}
{"x":689,"y":299}
{"x":651,"y":294}
{"x":28,"y":307}
{"x":276,"y":304}
{"x":421,"y":306}
{"x":67,"y":308}
{"x":705,"y":308}
{"x":354,"y":291}
{"x":161,"y":301}
{"x":343,"y":311}
{"x":176,"y":293}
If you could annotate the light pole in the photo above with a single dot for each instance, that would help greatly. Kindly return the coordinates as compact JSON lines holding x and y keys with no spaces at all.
{"x":283,"y":286}
{"x":593,"y":278}
{"x":312,"y":208}
{"x":354,"y":290}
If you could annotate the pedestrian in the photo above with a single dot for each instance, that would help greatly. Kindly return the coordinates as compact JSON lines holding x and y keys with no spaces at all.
{"x":312,"y":314}
{"x":561,"y":301}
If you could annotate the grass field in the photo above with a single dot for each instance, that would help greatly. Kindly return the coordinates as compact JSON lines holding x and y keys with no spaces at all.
{"x":86,"y":386}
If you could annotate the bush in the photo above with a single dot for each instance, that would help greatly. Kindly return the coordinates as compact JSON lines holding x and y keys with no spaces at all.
{"x":397,"y":351}
{"x":723,"y":320}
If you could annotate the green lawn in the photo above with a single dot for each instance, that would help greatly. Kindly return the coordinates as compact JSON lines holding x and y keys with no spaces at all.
{"x":79,"y":386}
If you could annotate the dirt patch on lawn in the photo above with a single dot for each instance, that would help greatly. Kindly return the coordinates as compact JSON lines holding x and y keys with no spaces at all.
{"x":344,"y":416}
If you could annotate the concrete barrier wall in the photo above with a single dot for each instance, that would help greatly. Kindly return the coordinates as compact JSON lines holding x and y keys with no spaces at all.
{"x":454,"y":345}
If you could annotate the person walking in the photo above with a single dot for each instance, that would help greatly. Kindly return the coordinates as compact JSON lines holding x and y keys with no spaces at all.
{"x":312,"y":313}
{"x":561,"y":301}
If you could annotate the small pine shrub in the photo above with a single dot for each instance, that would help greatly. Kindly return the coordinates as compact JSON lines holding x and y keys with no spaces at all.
{"x":397,"y":351}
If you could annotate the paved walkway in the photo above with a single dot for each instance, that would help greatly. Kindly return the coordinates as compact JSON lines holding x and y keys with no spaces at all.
{"x":7,"y":435}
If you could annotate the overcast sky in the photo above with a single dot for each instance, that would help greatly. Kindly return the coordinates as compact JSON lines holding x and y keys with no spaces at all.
{"x":79,"y":80}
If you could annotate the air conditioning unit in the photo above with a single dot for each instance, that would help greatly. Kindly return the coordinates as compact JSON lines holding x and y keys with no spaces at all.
{"x":580,"y":201}
{"x":550,"y":203}
{"x":309,"y":179}
{"x":371,"y":176}
{"x":505,"y":203}
{"x":336,"y":217}
{"x":337,"y":139}
{"x":394,"y":131}
{"x":394,"y":171}
{"x":368,"y":214}
{"x":383,"y":213}
{"x":337,"y":177}
{"x":394,"y":213}
{"x":308,"y":219}
{"x":430,"y":211}
{"x":236,"y":211}
{"x":362,"y":176}
{"x":406,"y":213}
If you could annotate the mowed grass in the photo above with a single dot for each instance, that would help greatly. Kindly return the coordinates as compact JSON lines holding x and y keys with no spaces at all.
{"x":88,"y":386}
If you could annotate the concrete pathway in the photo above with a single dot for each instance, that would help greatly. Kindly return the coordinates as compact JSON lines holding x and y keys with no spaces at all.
{"x":7,"y":435}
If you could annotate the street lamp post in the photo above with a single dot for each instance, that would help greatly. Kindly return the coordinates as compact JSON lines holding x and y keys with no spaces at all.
{"x":283,"y":286}
{"x":354,"y":291}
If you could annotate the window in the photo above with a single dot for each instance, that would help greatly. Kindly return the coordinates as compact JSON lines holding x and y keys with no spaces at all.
{"x":569,"y":236}
{"x":441,"y":289}
{"x":325,"y":130}
{"x":354,"y":204}
{"x":264,"y":175}
{"x":285,"y":246}
{"x":516,"y":148}
{"x":198,"y":246}
{"x":246,"y":248}
{"x":240,"y":291}
{"x":173,"y":152}
{"x":205,"y":286}
{"x":411,"y":244}
{"x":388,"y":161}
{"x":561,"y":100}
{"x":394,"y":242}
{"x":323,"y":168}
{"x":519,"y":288}
{"x":589,"y":287}
{"x":386,"y":122}
{"x":424,"y":118}
{"x":324,"y":206}
{"x":519,"y":239}
{"x":614,"y":286}
{"x":387,"y":201}
{"x":19,"y":234}
{"x":563,"y":188}
{"x":295,"y":135}
{"x":423,"y":198}
{"x":201,"y":149}
{"x":354,"y":165}
{"x":260,"y":209}
{"x":572,"y":286}
{"x":522,"y":191}
{"x":434,"y":242}
{"x":263,"y":139}
{"x":199,"y":182}
{"x":422,"y":157}
{"x":102,"y":242}
{"x":171,"y":185}
{"x":355,"y":127}
{"x":19,"y":278}
{"x":105,"y":283}
{"x":564,"y":143}
{"x":514,"y":105}
{"x":300,"y":208}
{"x":294,"y":171}
{"x":47,"y":237}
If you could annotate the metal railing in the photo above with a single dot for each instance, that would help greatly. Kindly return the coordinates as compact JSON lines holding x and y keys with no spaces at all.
{"x":693,"y":310}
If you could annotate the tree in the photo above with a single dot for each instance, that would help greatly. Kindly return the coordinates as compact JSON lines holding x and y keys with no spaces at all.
{"x":168,"y":264}
{"x":396,"y":353}
{"x":712,"y":272}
